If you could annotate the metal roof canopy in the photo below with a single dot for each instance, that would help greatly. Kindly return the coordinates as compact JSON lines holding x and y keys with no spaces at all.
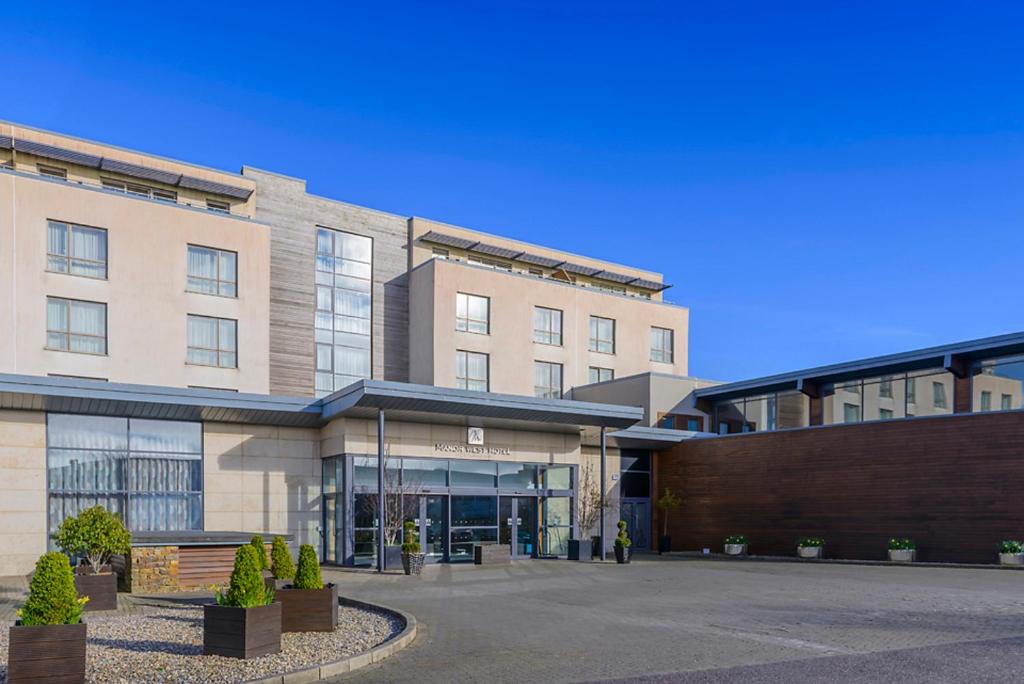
{"x":644,"y":437}
{"x":920,"y":359}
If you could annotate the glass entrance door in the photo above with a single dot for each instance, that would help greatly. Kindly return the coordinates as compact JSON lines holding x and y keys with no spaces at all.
{"x":432,"y":525}
{"x":637,"y":514}
{"x":518,"y":525}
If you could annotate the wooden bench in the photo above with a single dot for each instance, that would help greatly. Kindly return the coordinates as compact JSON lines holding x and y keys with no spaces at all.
{"x":490,"y":553}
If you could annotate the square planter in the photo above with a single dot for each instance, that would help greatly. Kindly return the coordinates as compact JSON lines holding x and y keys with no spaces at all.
{"x":242,"y":632}
{"x":412,"y":563}
{"x":902,"y":555}
{"x":664,"y":544}
{"x":623,"y":554}
{"x":580,"y":550}
{"x":595,"y":547}
{"x":101,"y":590}
{"x":46,"y":653}
{"x":1011,"y":559}
{"x":808,"y":551}
{"x":392,"y":557}
{"x":308,"y":610}
{"x":735,"y":549}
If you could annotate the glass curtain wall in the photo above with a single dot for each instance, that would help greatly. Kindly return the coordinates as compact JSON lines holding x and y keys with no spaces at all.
{"x":775,"y":411}
{"x":901,"y":395}
{"x":996,"y":384}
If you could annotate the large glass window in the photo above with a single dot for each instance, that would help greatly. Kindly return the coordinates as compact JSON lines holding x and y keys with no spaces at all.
{"x":472,"y":371}
{"x":212,"y":341}
{"x":465,"y":473}
{"x":344,"y":269}
{"x":474,"y":519}
{"x":547,"y":380}
{"x":76,"y":326}
{"x":661,"y":345}
{"x":556,"y":525}
{"x":597,"y":374}
{"x":78,"y":250}
{"x":517,"y":476}
{"x":148,"y":471}
{"x":472,"y":313}
{"x":887,"y":397}
{"x":212,"y":271}
{"x":776,"y":411}
{"x":602,"y":335}
{"x":547,"y":326}
{"x":1003,"y":377}
{"x":424,"y":472}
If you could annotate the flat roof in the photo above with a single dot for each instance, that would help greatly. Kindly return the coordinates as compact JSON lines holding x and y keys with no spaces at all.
{"x":919,"y":359}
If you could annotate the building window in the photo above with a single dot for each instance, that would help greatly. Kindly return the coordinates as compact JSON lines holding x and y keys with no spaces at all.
{"x":489,"y":263}
{"x":212,"y":341}
{"x":76,"y":326}
{"x":140,"y":190}
{"x":150,"y":472}
{"x":939,"y":394}
{"x":439,"y":253}
{"x":595,"y":374}
{"x":218,"y":206}
{"x":344,"y":271}
{"x":885,"y":388}
{"x":547,"y":326}
{"x":851,"y":413}
{"x":602,"y":335}
{"x":1006,"y":402}
{"x":74,"y":249}
{"x":911,"y":391}
{"x":472,"y":313}
{"x":212,"y":271}
{"x":885,"y":414}
{"x":986,"y":400}
{"x":547,"y":380}
{"x":661,"y":345}
{"x":52,"y":171}
{"x":472,"y":371}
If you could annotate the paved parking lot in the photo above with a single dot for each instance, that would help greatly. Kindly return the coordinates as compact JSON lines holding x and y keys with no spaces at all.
{"x":689,"y":620}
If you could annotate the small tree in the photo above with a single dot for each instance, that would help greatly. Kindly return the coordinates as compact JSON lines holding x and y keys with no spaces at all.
{"x":401,"y":499}
{"x":96,"y":534}
{"x":622,"y":539}
{"x":52,"y":599}
{"x":247,"y":588}
{"x":589,"y":505}
{"x":308,"y":574}
{"x":261,"y":551}
{"x":281,"y":564}
{"x":412,"y":542}
{"x":666,"y":503}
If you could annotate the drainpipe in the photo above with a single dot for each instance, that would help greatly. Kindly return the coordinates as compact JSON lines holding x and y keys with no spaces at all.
{"x":381,"y":495}
{"x":603,"y":488}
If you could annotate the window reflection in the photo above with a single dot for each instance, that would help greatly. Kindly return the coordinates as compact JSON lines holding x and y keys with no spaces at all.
{"x":996,"y":384}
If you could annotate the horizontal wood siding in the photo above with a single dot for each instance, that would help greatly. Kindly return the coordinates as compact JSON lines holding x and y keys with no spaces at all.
{"x":201,"y":566}
{"x":952,"y":484}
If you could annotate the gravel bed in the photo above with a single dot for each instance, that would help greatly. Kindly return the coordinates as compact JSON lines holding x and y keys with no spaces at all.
{"x":166,"y":645}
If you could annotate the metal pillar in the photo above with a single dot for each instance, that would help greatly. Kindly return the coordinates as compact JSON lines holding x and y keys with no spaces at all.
{"x":381,"y":494}
{"x":604,"y":458}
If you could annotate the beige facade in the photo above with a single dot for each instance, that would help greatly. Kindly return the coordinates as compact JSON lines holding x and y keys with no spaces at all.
{"x":23,"y":500}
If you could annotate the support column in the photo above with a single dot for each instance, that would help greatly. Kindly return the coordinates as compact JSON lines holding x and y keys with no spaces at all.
{"x":381,"y":494}
{"x":604,"y":459}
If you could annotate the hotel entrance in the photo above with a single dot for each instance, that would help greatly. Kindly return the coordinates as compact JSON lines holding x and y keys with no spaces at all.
{"x":518,"y":518}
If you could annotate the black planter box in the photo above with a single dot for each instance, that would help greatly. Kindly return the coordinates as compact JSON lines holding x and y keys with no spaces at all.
{"x":392,"y":557}
{"x":242,"y":632}
{"x":664,"y":544}
{"x":580,"y":549}
{"x":623,"y":554}
{"x":308,"y":610}
{"x":101,"y":590}
{"x":595,"y":547}
{"x":46,"y":653}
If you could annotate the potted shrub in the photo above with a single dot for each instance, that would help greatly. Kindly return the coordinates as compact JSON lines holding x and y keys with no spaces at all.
{"x":622,"y":545}
{"x":47,"y":643}
{"x":810,"y":547}
{"x":735,"y":545}
{"x":1011,"y":553}
{"x":666,"y":503}
{"x":902,"y":550}
{"x":261,"y":552}
{"x":94,"y":535}
{"x":307,"y":605}
{"x":412,"y":556}
{"x":282,"y":567}
{"x":245,"y":622}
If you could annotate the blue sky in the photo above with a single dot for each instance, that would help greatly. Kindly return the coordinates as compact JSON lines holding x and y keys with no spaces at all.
{"x":819,"y":181}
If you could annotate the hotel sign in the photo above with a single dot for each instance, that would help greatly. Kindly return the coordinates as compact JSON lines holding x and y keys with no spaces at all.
{"x":474,"y":445}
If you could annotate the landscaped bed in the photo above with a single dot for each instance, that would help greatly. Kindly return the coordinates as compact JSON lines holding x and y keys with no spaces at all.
{"x":165,"y":644}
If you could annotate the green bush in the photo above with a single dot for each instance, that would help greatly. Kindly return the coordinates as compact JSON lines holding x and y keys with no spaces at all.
{"x":261,"y":551}
{"x":308,"y":574}
{"x":1010,"y":546}
{"x":412,"y":542}
{"x":896,"y":544}
{"x":622,"y":539}
{"x":52,"y":599}
{"x":281,"y":564}
{"x":807,"y":542}
{"x":247,"y":588}
{"x":96,"y":534}
{"x":736,"y":539}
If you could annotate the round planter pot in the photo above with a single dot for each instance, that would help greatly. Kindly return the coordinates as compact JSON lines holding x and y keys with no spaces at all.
{"x":1011,"y":559}
{"x":902,"y":555}
{"x":412,"y":563}
{"x":735,"y":549}
{"x":808,"y":551}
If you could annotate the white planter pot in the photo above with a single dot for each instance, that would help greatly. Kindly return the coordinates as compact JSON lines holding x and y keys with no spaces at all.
{"x":902,"y":555}
{"x":1011,"y":559}
{"x":735,"y":549}
{"x":808,"y":551}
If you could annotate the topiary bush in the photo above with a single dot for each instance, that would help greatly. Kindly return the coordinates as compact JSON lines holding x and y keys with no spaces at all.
{"x":257,"y":543}
{"x":96,"y":534}
{"x":1011,"y":546}
{"x":622,"y":539}
{"x":308,"y":574}
{"x":247,"y":588}
{"x":281,"y":564}
{"x":412,"y":542}
{"x":52,"y":599}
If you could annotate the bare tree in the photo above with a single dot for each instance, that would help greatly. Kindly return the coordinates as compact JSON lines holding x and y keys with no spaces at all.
{"x":589,"y":505}
{"x":401,"y":499}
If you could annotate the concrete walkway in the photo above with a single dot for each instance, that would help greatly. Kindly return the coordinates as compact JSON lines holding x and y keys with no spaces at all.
{"x":701,"y":621}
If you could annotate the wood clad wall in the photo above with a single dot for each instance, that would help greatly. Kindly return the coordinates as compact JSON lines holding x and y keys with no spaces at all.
{"x":951,"y":483}
{"x":294,"y":215}
{"x":201,"y":566}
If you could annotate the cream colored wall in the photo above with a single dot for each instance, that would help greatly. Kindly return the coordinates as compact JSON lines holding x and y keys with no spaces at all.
{"x":591,"y":456}
{"x":145,"y":292}
{"x":23,"y":499}
{"x":262,"y":479}
{"x":510,"y":342}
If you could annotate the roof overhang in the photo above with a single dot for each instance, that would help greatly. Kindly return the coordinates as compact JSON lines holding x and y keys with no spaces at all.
{"x":643,"y":437}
